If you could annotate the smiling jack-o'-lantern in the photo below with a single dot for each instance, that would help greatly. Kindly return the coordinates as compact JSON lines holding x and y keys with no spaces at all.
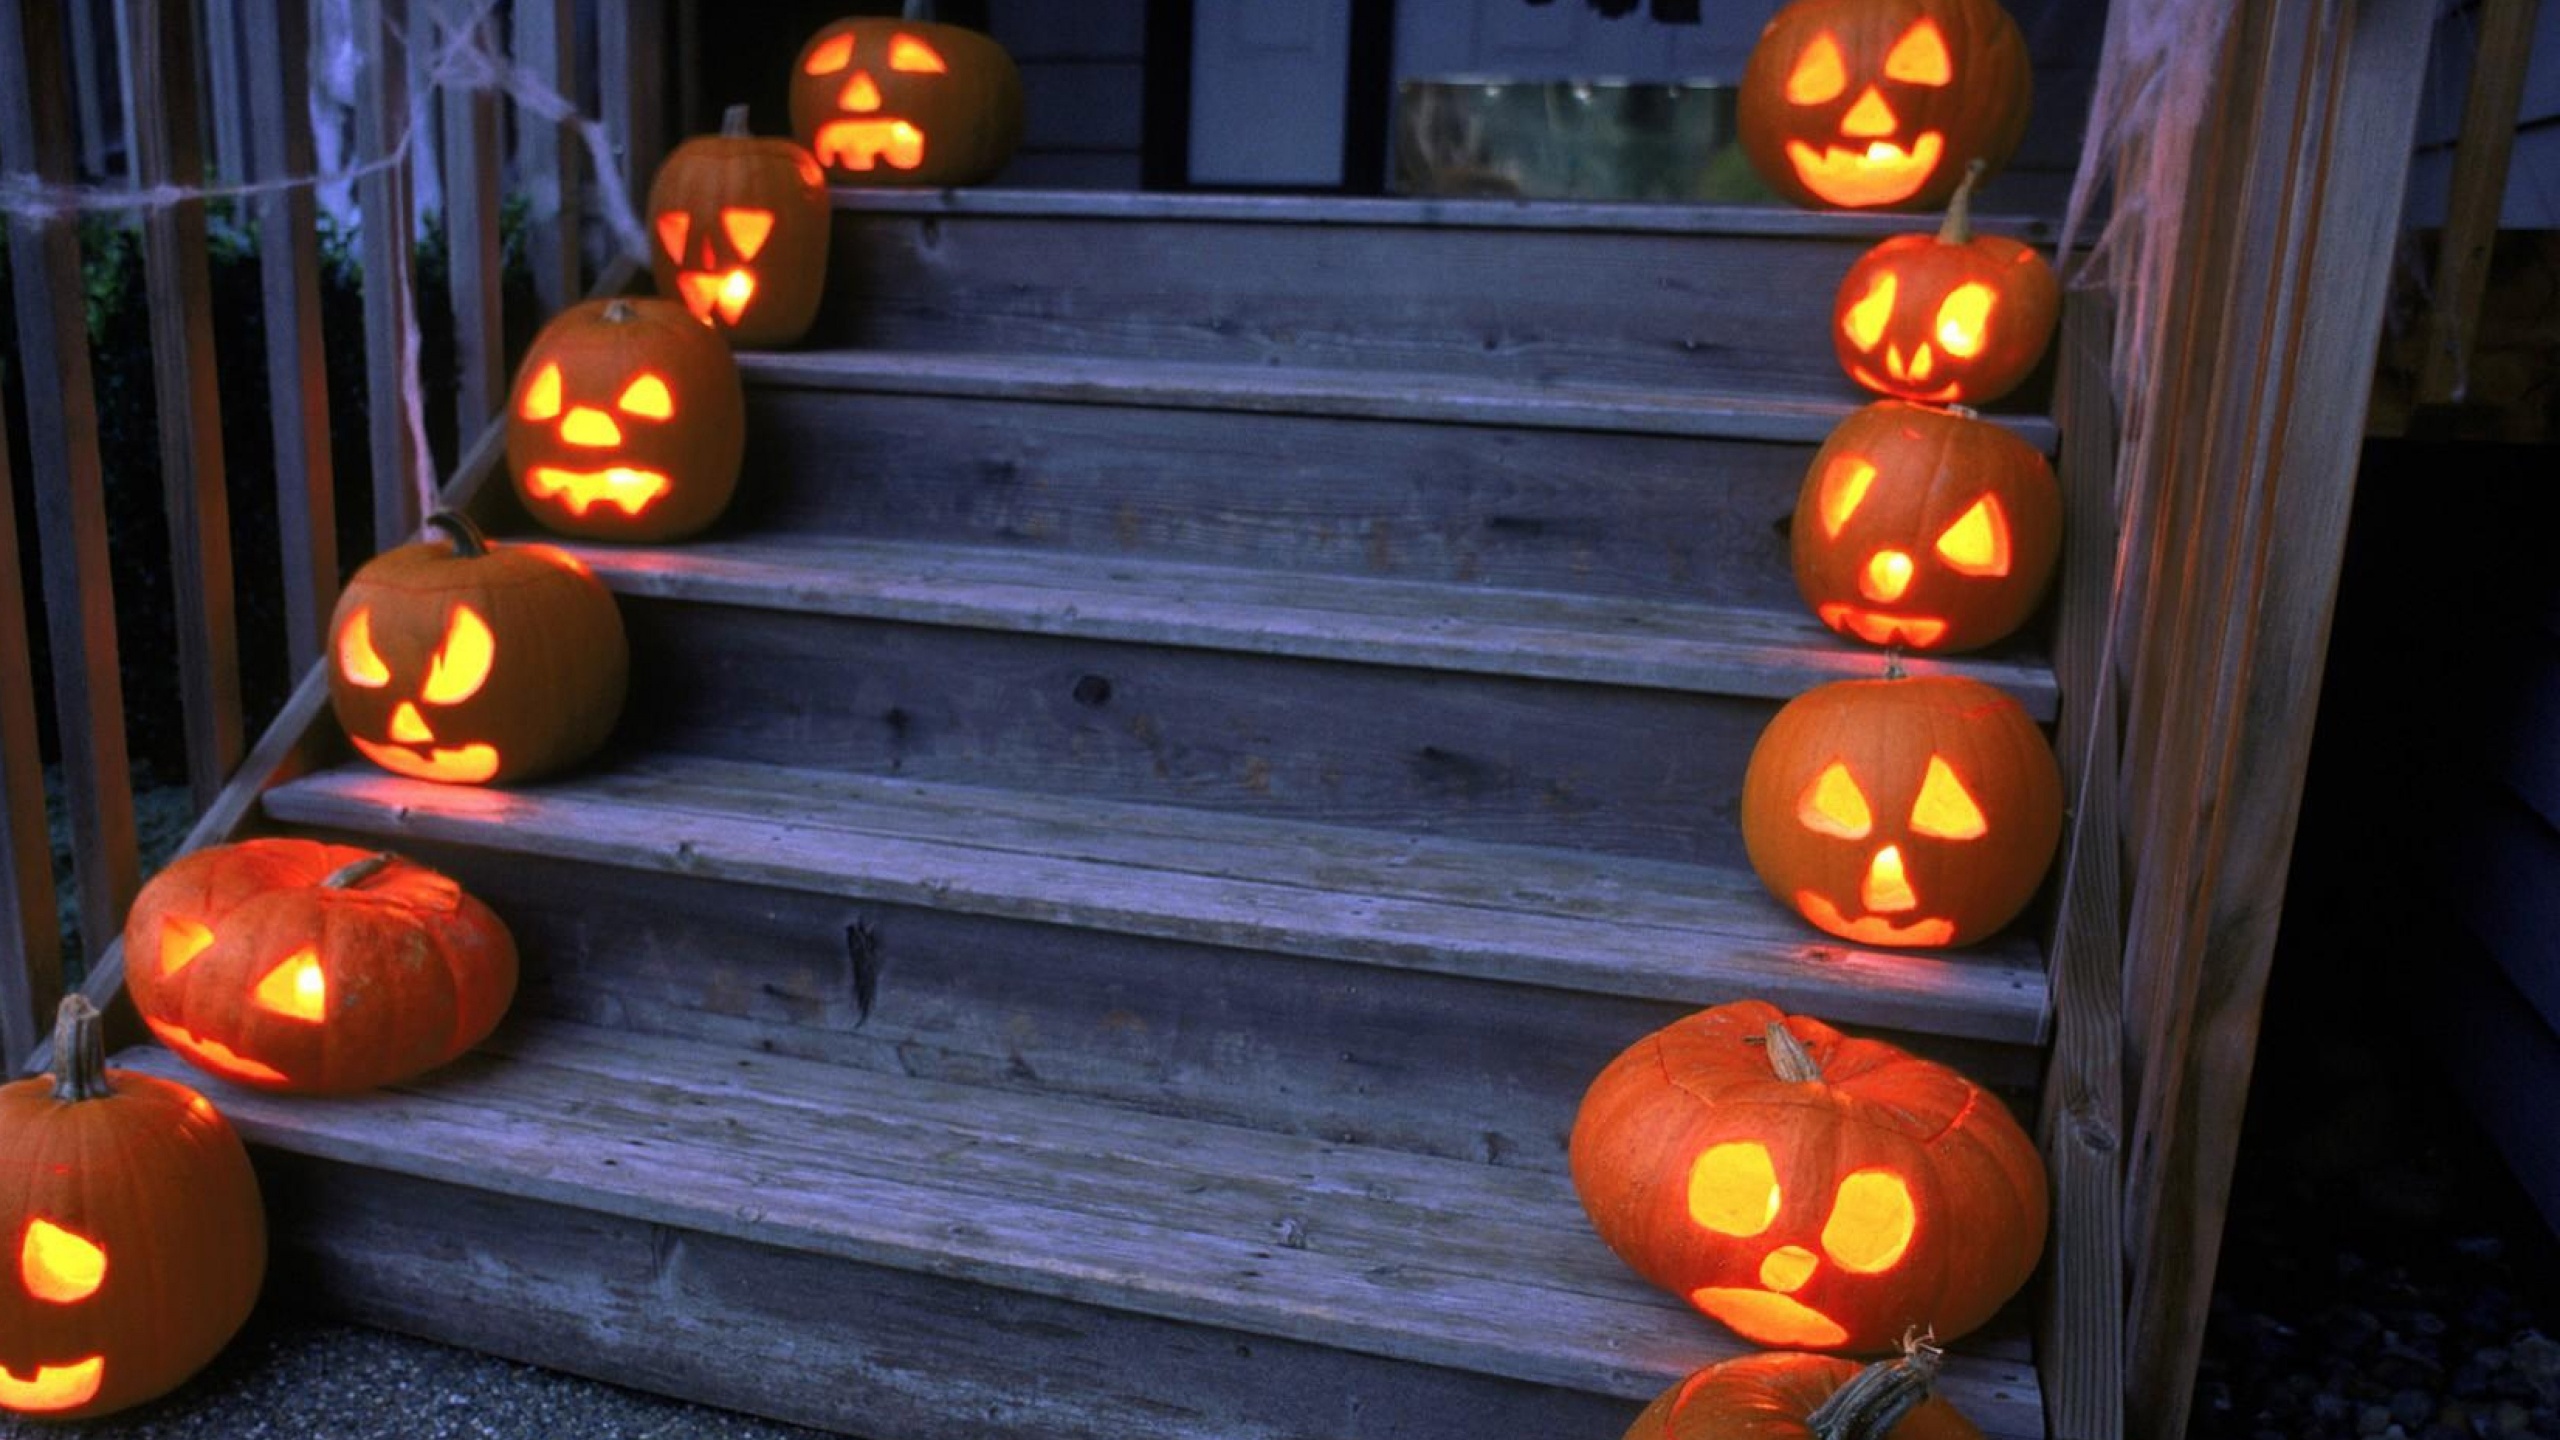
{"x":741,"y":229}
{"x":473,"y":663}
{"x":906,"y":102}
{"x":293,"y":965}
{"x":1909,"y":811}
{"x":628,"y":422}
{"x":1808,"y":1189}
{"x":1927,"y":528}
{"x":1866,"y":104}
{"x":1948,"y":317}
{"x":132,"y":1242}
{"x":1807,"y":1397}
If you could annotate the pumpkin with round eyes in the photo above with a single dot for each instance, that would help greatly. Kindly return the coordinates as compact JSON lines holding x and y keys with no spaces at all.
{"x":1867,"y":104}
{"x":1927,"y":528}
{"x":132,"y":1241}
{"x":1808,"y":1189}
{"x":740,"y":225}
{"x":906,"y":102}
{"x":288,"y":964}
{"x":1948,"y":317}
{"x":458,"y":660}
{"x":1908,"y":811}
{"x":628,"y":422}
{"x":1807,"y":1397}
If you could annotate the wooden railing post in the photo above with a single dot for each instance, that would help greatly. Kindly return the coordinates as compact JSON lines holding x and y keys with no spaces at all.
{"x":471,"y":245}
{"x":631,"y":76}
{"x":382,"y":118}
{"x":550,"y":160}
{"x":30,"y":927}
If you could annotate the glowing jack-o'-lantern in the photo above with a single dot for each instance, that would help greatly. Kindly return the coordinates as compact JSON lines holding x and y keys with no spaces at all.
{"x":1915,"y":810}
{"x":473,"y":663}
{"x":1865,"y":104}
{"x":1948,"y":317}
{"x":628,"y":422}
{"x":294,"y":965}
{"x":740,"y":231}
{"x":1809,"y":1190}
{"x":132,"y":1242}
{"x":1927,"y":528}
{"x":1807,"y":1397}
{"x":906,"y":102}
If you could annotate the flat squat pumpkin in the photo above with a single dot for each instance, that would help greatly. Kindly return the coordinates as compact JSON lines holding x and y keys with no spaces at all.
{"x":628,"y":422}
{"x":741,"y":228}
{"x":1789,"y":1396}
{"x":886,"y":101}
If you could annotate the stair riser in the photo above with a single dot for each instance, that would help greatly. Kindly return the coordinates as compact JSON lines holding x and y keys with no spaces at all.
{"x":1640,"y":516}
{"x":885,"y":1354}
{"x":1604,"y":768}
{"x":1653,"y":311}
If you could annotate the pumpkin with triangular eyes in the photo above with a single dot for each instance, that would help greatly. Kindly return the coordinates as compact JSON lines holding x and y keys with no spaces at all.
{"x":628,"y":422}
{"x":905,"y":102}
{"x":740,"y":228}
{"x":1927,"y":528}
{"x":1869,"y":104}
{"x":1946,"y":318}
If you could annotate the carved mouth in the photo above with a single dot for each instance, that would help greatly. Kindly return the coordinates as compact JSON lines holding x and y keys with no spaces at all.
{"x":724,"y":293}
{"x":1877,"y":628}
{"x":213,"y":1055}
{"x":863,"y":144}
{"x":627,"y":490}
{"x":458,"y":764}
{"x":1948,"y":394}
{"x":1768,"y":1318}
{"x":1882,"y":173}
{"x":55,"y":1387}
{"x":1871,"y":929}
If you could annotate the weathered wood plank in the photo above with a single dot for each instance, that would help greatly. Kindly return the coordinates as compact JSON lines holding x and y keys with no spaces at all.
{"x":474,"y":272}
{"x":30,"y":925}
{"x":551,"y":156}
{"x":631,"y":78}
{"x":2506,"y":29}
{"x":382,"y":116}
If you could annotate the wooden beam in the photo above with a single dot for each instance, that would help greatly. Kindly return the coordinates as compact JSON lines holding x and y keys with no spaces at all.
{"x":382,"y":116}
{"x":2480,"y":159}
{"x":472,"y":281}
{"x":30,"y":925}
{"x":550,"y":157}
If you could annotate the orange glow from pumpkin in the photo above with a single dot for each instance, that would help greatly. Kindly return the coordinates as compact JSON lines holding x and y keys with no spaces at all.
{"x":1880,"y":173}
{"x":1885,"y":890}
{"x":1922,"y":363}
{"x":1774,"y":1320}
{"x":1820,"y":74}
{"x":458,"y":764}
{"x":296,"y":989}
{"x":1887,"y":576}
{"x":1834,"y":805}
{"x":1786,"y":1268}
{"x":648,"y":398}
{"x":1920,"y":57}
{"x":864,"y":144}
{"x":747,"y":227}
{"x":861,"y":94}
{"x":58,"y":1266}
{"x":1733,"y":1188}
{"x":915,"y":57}
{"x":542,"y":397}
{"x":1871,"y":118}
{"x":409,"y":727}
{"x":1964,"y":318}
{"x":1871,"y":1223}
{"x":215,"y":1056}
{"x":1917,"y":632}
{"x":722,"y":293}
{"x":1845,"y":482}
{"x":1978,"y":543}
{"x":1946,"y":395}
{"x":1871,"y":929}
{"x":1865,"y":322}
{"x":357,"y":659}
{"x":55,"y":1387}
{"x":461,"y":664}
{"x":673,"y":227}
{"x":181,"y":941}
{"x":831,"y":55}
{"x":1945,"y":809}
{"x":590,"y":429}
{"x":625,"y":489}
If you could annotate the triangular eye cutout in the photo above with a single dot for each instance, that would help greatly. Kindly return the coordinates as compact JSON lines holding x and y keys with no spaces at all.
{"x":1865,"y":322}
{"x":913,"y":56}
{"x":833,"y":54}
{"x":58,"y":1266}
{"x":747,"y":229}
{"x":1844,"y":488}
{"x":1964,"y":318}
{"x":1820,"y":73}
{"x":1834,"y":805}
{"x":1978,"y":543}
{"x":1920,"y":57}
{"x":1945,"y":809}
{"x":462,"y":663}
{"x":296,"y":989}
{"x":357,"y":659}
{"x":673,"y":227}
{"x":181,"y":941}
{"x":542,"y":397}
{"x":648,"y":398}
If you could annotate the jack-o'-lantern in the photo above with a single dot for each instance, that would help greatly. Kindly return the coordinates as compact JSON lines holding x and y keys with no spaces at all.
{"x":1868,"y":104}
{"x":460,"y":660}
{"x":132,"y":1242}
{"x":1808,"y":1189}
{"x":740,"y":225}
{"x":1787,"y":1396}
{"x":1948,"y":317}
{"x":293,"y":965}
{"x":1908,"y":811}
{"x":1927,"y":528}
{"x":628,"y":422}
{"x":906,"y":102}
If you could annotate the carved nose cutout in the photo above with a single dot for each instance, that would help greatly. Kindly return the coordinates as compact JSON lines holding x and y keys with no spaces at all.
{"x":1885,"y":891}
{"x":860,"y":95}
{"x":1788,"y":1267}
{"x":409,"y":727}
{"x":1871,"y":118}
{"x":1887,"y":576}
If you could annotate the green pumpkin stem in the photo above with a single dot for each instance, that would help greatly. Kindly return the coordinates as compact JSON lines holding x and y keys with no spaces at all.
{"x":1787,"y":1055}
{"x":1877,"y":1398}
{"x":468,"y":540}
{"x":733,"y":122}
{"x":1957,"y":229}
{"x":356,"y":872}
{"x":79,"y":1051}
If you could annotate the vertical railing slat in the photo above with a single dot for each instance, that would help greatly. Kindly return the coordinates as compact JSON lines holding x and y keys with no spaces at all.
{"x":631,"y":70}
{"x":160,"y":59}
{"x":70,"y":489}
{"x":224,"y":99}
{"x":471,"y":200}
{"x":88,"y":89}
{"x":382,"y":120}
{"x":550,"y":160}
{"x":289,"y":287}
{"x":30,"y":926}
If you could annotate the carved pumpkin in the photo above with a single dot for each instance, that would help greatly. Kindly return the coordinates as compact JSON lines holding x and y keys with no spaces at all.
{"x":132,"y":1242}
{"x":1865,"y":104}
{"x":1948,"y":317}
{"x":906,"y":102}
{"x":294,"y":965}
{"x":1927,"y":528}
{"x":1807,"y":1397}
{"x":740,"y":229}
{"x":468,"y":662}
{"x":1808,"y":1189}
{"x":628,"y":422}
{"x":1905,"y":811}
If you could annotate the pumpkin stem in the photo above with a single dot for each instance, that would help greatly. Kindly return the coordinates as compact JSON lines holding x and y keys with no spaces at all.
{"x":733,"y":122}
{"x":617,"y":311}
{"x":1958,"y":227}
{"x":1893,"y":664}
{"x":1877,"y":1398}
{"x":1787,"y":1055}
{"x":468,"y":541}
{"x":79,"y":1051}
{"x":356,"y":872}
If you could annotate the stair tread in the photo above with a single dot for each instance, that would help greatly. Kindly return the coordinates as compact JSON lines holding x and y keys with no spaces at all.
{"x":1414,"y":1258}
{"x":1570,"y":920}
{"x":1540,"y":634}
{"x":1350,"y":393}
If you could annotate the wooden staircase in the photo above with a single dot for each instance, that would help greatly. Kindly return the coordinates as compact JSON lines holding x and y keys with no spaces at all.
{"x":1211,"y":720}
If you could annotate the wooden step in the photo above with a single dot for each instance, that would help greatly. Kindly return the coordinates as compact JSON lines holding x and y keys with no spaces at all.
{"x":1493,"y":913}
{"x":881,"y":1254}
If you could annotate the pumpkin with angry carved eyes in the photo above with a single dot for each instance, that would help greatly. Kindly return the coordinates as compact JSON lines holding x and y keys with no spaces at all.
{"x":132,"y":1241}
{"x":1868,"y":104}
{"x":1808,"y":1189}
{"x":459,"y":660}
{"x":288,"y":964}
{"x":1807,"y":1397}
{"x":1948,"y":317}
{"x":1927,"y":528}
{"x":1913,"y":810}
{"x":628,"y":422}
{"x":906,"y":102}
{"x":741,"y":229}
